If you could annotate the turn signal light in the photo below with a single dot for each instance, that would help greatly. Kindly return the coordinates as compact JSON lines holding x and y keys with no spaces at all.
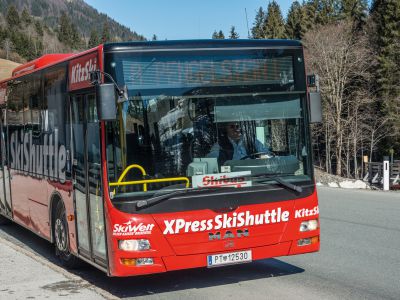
{"x":145,"y":261}
{"x":128,"y":261}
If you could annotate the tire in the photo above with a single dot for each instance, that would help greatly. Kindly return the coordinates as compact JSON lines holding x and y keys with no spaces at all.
{"x":4,"y":220}
{"x":61,"y":239}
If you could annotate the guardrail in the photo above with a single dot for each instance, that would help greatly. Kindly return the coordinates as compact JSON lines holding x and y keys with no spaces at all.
{"x":374,"y":173}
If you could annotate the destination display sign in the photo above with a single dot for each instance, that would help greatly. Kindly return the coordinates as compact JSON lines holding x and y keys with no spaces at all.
{"x":194,"y":71}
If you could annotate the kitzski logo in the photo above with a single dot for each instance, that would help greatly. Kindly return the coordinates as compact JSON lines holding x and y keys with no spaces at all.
{"x":80,"y":73}
{"x":305,"y":212}
{"x":129,"y":229}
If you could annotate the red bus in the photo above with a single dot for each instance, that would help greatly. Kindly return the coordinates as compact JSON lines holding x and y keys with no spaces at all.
{"x":147,"y":157}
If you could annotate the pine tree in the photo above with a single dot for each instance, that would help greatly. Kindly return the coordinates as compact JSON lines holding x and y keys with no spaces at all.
{"x":65,"y":29}
{"x":94,"y":39}
{"x":12,"y":17}
{"x":386,"y":39}
{"x":218,"y":35}
{"x":75,"y":40}
{"x":258,"y":27}
{"x":26,"y":17}
{"x":68,"y":33}
{"x":354,"y":9}
{"x":274,"y":24}
{"x":233,"y":34}
{"x":39,"y":28}
{"x":295,"y":25}
{"x":154,"y":38}
{"x":105,"y":35}
{"x":328,"y":11}
{"x":310,"y":9}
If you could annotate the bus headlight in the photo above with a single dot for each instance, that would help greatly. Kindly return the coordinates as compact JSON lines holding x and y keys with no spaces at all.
{"x":134,"y":245}
{"x":309,"y":225}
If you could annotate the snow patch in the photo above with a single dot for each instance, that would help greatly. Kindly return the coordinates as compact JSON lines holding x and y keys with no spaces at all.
{"x":358,"y":184}
{"x":333,"y":184}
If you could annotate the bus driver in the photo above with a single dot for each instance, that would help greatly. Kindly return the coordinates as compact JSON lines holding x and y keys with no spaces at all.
{"x":231,"y":144}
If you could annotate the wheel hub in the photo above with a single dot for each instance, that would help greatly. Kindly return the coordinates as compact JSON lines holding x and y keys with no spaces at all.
{"x":60,"y":234}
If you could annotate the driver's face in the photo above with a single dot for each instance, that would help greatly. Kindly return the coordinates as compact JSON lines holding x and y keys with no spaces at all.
{"x":233,"y":131}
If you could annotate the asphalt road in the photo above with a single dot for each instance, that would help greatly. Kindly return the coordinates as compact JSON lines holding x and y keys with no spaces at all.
{"x":359,"y":259}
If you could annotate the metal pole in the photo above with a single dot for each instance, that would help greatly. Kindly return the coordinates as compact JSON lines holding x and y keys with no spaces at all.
{"x":247,"y":23}
{"x":386,"y":173}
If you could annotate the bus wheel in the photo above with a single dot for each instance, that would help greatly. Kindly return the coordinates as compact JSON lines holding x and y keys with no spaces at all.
{"x":61,"y":238}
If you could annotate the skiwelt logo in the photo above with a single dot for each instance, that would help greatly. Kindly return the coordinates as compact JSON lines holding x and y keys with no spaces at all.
{"x":129,"y":228}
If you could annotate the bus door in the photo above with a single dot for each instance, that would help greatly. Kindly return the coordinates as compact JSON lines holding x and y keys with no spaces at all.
{"x":5,"y":191}
{"x":86,"y":162}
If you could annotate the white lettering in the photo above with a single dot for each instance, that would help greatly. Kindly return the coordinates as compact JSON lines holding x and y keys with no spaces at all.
{"x":180,"y":223}
{"x":129,"y":229}
{"x":81,"y":73}
{"x":226,"y":221}
{"x":168,"y":228}
{"x":26,"y":153}
{"x":12,"y":150}
{"x":305,"y":212}
{"x":48,"y":159}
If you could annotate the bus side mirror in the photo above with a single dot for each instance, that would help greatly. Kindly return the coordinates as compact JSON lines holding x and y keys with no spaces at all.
{"x":105,"y":100}
{"x":315,"y":108}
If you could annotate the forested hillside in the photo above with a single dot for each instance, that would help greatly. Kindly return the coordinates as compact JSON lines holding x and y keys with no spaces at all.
{"x":355,"y":50}
{"x":30,"y":28}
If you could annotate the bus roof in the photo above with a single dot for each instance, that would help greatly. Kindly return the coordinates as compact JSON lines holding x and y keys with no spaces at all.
{"x":44,"y":61}
{"x":52,"y":59}
{"x":40,"y":62}
{"x":210,"y":43}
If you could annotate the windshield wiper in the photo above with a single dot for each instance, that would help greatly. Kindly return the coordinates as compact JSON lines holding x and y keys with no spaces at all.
{"x":154,"y":200}
{"x":284,"y":183}
{"x":273,"y":177}
{"x":157,"y":199}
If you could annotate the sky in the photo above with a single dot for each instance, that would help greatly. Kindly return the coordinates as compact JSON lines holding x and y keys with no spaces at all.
{"x":184,"y":19}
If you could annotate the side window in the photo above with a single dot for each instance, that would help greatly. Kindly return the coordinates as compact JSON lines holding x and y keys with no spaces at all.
{"x":35,"y":98}
{"x":55,"y":90}
{"x":15,"y":116}
{"x":25,"y":104}
{"x":53,"y":119}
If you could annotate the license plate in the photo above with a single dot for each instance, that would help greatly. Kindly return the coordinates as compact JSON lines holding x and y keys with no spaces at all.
{"x":228,"y":258}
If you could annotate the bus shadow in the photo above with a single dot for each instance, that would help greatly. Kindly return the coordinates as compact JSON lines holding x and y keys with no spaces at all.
{"x":29,"y":241}
{"x":196,"y":278}
{"x":156,"y":283}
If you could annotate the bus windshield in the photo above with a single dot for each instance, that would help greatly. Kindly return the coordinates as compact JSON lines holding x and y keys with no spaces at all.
{"x":196,"y":120}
